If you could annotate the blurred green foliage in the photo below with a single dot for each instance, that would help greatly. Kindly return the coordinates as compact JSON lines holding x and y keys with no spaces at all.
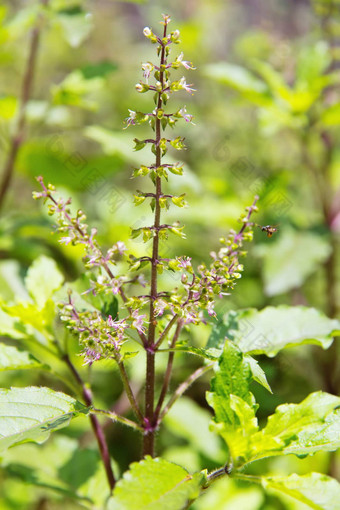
{"x":267,"y":122}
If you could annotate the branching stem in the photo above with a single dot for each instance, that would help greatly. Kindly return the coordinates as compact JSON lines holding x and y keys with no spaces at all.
{"x":18,"y":136}
{"x":96,"y":427}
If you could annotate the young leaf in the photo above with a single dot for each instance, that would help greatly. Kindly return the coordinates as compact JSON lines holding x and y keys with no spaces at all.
{"x":153,"y":484}
{"x":257,"y":372}
{"x":274,"y":328}
{"x":31,"y":414}
{"x":13,"y":359}
{"x":233,"y":403}
{"x":300,"y":429}
{"x":316,"y":490}
{"x":42,"y":279}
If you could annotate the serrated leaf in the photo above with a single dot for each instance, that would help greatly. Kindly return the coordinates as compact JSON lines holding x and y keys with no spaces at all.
{"x":13,"y":359}
{"x":233,"y":403}
{"x":274,"y":328}
{"x":232,"y":377}
{"x":300,"y":429}
{"x":43,"y":279}
{"x":152,"y":484}
{"x":31,"y":414}
{"x":316,"y":490}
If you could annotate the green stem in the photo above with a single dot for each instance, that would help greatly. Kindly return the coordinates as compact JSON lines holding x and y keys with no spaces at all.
{"x":116,"y":417}
{"x":129,"y":392}
{"x":182,"y":388}
{"x":168,"y":371}
{"x":20,"y":129}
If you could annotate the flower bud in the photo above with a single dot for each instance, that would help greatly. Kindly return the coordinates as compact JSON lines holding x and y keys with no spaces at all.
{"x":175,"y":35}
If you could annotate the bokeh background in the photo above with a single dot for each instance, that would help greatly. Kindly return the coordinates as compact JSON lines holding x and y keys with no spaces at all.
{"x":267,"y":117}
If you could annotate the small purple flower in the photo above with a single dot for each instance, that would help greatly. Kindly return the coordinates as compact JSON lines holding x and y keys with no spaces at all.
{"x":120,"y":246}
{"x":186,"y":116}
{"x":130,"y":120}
{"x":185,"y":63}
{"x":159,"y":307}
{"x":138,"y":322}
{"x":91,"y":355}
{"x":185,"y":86}
{"x":210,"y":309}
{"x":147,"y":68}
{"x":184,"y":262}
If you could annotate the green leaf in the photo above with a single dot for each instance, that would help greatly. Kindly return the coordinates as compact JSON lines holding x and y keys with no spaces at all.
{"x":98,"y":70}
{"x":288,"y":262}
{"x":13,"y":359}
{"x":294,"y":100}
{"x":241,"y":80}
{"x":257,"y":373}
{"x":31,"y":414}
{"x":331,"y":115}
{"x":152,"y":484}
{"x":274,"y":328}
{"x":233,"y":403}
{"x":72,"y":471}
{"x":43,"y":279}
{"x":9,"y":326}
{"x":27,"y":319}
{"x":75,"y":90}
{"x":76,"y":26}
{"x":209,"y":354}
{"x":317,"y":490}
{"x":312,"y":62}
{"x":232,"y":377}
{"x":300,"y":429}
{"x":8,"y":107}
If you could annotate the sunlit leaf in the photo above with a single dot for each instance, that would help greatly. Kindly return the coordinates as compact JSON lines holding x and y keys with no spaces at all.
{"x":13,"y":359}
{"x":274,"y":328}
{"x":153,"y":484}
{"x":31,"y":414}
{"x":233,"y":403}
{"x":301,"y":429}
{"x":43,"y":279}
{"x":316,"y":490}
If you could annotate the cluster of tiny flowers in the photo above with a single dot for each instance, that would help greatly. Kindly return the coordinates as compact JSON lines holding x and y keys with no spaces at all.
{"x":100,"y":338}
{"x":198,"y":288}
{"x":76,"y":229}
{"x":204,"y":285}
